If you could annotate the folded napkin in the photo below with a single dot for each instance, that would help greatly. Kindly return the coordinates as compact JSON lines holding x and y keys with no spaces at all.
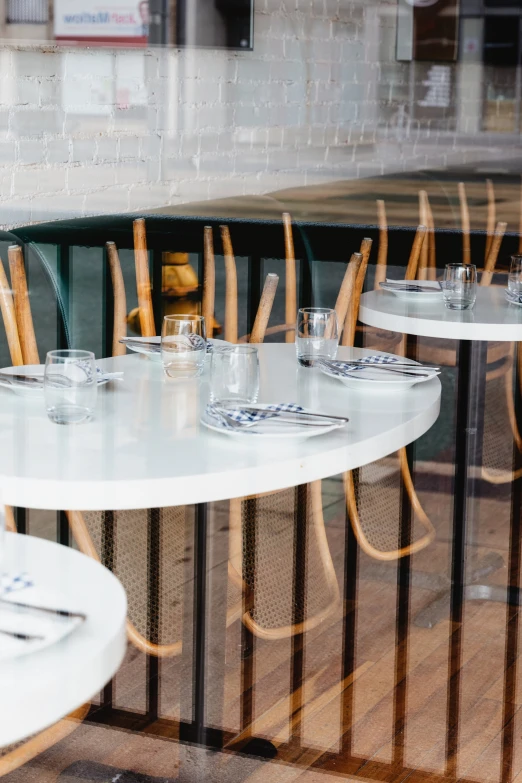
{"x":420,"y":286}
{"x":49,"y":628}
{"x":247,"y":417}
{"x":341,"y":369}
{"x":512,"y":297}
{"x":12,"y":583}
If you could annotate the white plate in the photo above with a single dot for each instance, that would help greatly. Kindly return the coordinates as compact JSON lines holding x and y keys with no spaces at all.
{"x":377,"y":380}
{"x":30,"y":369}
{"x":156,"y":357}
{"x":49,"y":626}
{"x":417,"y":296}
{"x":270,"y":429}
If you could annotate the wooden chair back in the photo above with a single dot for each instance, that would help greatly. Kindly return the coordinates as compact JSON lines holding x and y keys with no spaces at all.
{"x":141,"y":259}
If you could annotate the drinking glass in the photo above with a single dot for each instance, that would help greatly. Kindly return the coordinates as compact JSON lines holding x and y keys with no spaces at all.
{"x":70,"y":386}
{"x":317,"y":335}
{"x":515,"y":276}
{"x":460,"y":286}
{"x":183,"y":346}
{"x":234,"y":375}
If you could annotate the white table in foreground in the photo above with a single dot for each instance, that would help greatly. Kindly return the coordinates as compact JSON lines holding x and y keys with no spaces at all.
{"x":492,"y":317}
{"x":146,"y":447}
{"x":39,"y":689}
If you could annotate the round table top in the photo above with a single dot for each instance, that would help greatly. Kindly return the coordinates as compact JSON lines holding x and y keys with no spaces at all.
{"x":146,"y":447}
{"x":492,"y":317}
{"x":40,"y":688}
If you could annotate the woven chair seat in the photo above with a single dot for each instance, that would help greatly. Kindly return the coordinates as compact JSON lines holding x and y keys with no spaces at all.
{"x":127,"y":555}
{"x":269,"y":565}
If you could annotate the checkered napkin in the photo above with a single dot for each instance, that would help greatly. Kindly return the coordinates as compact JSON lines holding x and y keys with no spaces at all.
{"x":12,"y":583}
{"x":342,"y":369}
{"x":424,"y":286}
{"x":512,"y":297}
{"x":247,"y":417}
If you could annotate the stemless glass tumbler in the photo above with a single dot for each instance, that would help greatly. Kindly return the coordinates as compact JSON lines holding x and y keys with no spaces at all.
{"x":460,"y":286}
{"x":317,"y":335}
{"x":234,"y":375}
{"x":70,"y":386}
{"x":515,"y":276}
{"x":183,"y":346}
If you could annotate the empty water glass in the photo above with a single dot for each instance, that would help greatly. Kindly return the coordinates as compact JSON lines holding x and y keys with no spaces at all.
{"x":460,"y":286}
{"x":317,"y":335}
{"x":515,"y":276}
{"x":183,"y":345}
{"x":234,"y":375}
{"x":70,"y":386}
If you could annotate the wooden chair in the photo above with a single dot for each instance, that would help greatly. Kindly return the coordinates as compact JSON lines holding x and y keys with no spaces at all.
{"x":262,"y":528}
{"x":16,"y":312}
{"x":373,"y":491}
{"x":161,"y":636}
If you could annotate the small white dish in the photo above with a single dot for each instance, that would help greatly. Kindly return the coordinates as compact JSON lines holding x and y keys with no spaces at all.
{"x":372,"y":379}
{"x":36,"y":370}
{"x":270,"y":429}
{"x":414,"y":296}
{"x":156,"y":356}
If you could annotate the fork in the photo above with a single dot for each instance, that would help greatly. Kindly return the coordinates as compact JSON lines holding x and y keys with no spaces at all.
{"x":242,"y":425}
{"x":386,"y":367}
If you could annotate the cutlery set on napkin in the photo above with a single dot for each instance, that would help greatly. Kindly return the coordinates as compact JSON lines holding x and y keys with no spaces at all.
{"x":512,"y":297}
{"x":152,"y":345}
{"x":31,"y":377}
{"x":412,"y":286}
{"x":31,"y":618}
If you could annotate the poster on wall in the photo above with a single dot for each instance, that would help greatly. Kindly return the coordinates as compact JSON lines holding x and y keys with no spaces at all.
{"x":115,"y":21}
{"x":427,"y":30}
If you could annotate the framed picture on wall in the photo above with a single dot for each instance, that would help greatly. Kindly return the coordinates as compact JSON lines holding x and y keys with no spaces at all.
{"x":428,"y":30}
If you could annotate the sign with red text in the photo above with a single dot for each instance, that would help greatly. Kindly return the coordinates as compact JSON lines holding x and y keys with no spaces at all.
{"x":118,"y":21}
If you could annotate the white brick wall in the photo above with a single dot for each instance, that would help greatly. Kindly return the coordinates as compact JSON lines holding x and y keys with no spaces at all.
{"x":90,"y":131}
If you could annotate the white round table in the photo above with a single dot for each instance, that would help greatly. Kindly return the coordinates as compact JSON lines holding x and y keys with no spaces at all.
{"x":40,"y":688}
{"x":492,"y":317}
{"x":147,"y":448}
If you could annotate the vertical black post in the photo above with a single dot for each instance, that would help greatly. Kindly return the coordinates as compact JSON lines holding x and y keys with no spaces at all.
{"x":403,"y":601}
{"x":108,"y":307}
{"x":458,"y":554}
{"x":200,"y":608}
{"x":349,"y":630}
{"x":157,"y":289}
{"x":64,"y":281}
{"x":298,"y":611}
{"x":108,"y":560}
{"x":306,"y":294}
{"x":509,"y":706}
{"x":20,"y":515}
{"x":153,"y":609}
{"x":247,"y":638}
{"x":255,"y":284}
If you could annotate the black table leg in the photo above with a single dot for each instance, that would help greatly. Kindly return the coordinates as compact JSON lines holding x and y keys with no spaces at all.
{"x":462,"y":451}
{"x":200,"y":609}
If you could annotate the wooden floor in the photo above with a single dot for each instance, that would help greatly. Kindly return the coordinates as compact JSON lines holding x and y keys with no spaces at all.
{"x":309,"y":742}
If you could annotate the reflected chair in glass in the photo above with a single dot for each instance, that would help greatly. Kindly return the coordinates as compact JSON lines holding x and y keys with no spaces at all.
{"x":154,"y":630}
{"x":373,"y":495}
{"x":382,"y":339}
{"x":263,"y":527}
{"x":88,"y":526}
{"x":15,"y":310}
